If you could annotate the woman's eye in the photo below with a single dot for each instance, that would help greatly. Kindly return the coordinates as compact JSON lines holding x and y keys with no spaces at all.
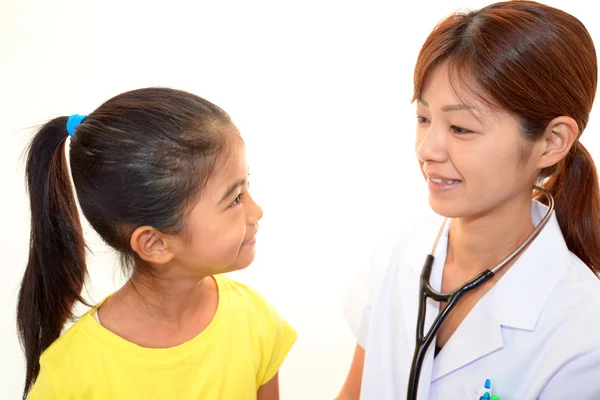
{"x":459,"y":131}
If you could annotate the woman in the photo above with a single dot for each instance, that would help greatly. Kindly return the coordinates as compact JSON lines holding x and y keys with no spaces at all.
{"x":502,"y":96}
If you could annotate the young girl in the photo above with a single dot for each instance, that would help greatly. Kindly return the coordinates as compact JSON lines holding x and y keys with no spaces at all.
{"x":503,"y":95}
{"x":161,"y":175}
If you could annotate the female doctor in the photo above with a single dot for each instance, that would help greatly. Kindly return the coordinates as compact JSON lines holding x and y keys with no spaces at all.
{"x":503,"y":95}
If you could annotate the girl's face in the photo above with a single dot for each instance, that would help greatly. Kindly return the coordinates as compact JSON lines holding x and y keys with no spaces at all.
{"x":221,"y":227}
{"x":473,"y":157}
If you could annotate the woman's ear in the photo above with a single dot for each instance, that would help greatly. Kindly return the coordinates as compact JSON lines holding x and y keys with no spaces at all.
{"x":151,"y":245}
{"x":558,"y":139}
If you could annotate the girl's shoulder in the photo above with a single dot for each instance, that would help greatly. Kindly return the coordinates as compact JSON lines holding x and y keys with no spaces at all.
{"x":240,"y":295}
{"x":74,"y":341}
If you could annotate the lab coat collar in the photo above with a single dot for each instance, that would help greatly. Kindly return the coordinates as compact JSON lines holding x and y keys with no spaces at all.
{"x":520,"y":295}
{"x":516,"y":301}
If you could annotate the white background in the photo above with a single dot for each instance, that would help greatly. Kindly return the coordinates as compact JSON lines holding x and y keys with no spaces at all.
{"x":320,"y":90}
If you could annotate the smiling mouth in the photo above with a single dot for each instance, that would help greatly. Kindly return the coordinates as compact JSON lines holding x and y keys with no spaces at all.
{"x":444,"y":181}
{"x":250,"y":241}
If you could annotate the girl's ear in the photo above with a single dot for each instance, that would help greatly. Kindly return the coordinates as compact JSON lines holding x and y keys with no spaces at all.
{"x":151,"y":245}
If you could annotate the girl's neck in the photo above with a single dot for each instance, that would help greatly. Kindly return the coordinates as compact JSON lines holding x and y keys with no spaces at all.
{"x":159,"y":312}
{"x":165,"y":299}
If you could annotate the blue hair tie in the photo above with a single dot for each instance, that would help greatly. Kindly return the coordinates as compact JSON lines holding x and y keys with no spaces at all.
{"x":73,"y":122}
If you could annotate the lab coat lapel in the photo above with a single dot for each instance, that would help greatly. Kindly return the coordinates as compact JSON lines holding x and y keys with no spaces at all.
{"x":477,"y":336}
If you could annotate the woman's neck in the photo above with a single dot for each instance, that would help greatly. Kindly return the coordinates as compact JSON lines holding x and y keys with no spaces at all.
{"x":479,"y":243}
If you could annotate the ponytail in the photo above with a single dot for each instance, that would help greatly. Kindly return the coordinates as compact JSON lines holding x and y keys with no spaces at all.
{"x":56,"y":269}
{"x":576,"y":191}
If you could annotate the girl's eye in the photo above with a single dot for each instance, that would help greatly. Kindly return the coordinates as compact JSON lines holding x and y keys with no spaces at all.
{"x":238,"y":200}
{"x":421,"y":120}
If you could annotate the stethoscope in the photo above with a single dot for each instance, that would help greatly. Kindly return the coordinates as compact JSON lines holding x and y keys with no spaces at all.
{"x":424,"y":341}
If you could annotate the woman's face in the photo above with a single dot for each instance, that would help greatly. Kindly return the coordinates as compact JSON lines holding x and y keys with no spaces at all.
{"x":473,"y":157}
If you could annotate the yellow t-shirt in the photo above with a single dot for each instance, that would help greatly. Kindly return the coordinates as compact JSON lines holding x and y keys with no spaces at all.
{"x":240,"y":350}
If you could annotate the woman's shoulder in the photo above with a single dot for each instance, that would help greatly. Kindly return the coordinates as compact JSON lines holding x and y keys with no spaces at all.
{"x":580,"y":286}
{"x":576,"y":301}
{"x":414,"y":239}
{"x":398,"y":251}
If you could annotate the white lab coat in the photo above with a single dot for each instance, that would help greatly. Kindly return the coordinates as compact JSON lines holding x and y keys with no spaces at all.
{"x":535,"y":334}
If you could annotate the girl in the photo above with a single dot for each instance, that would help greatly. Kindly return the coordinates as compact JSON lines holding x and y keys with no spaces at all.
{"x":503,"y":95}
{"x":161,"y":175}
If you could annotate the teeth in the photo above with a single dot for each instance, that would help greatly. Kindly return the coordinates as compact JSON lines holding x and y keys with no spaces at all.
{"x":440,"y":181}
